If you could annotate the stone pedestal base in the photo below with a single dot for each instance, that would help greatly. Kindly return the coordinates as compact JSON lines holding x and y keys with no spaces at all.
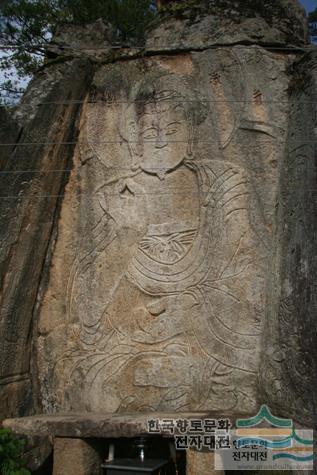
{"x":75,"y":457}
{"x":201,"y":463}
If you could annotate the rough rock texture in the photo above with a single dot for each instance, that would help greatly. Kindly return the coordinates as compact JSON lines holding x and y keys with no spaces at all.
{"x":9,"y":130}
{"x":201,"y":463}
{"x":289,"y":371}
{"x":46,"y":88}
{"x":198,"y":23}
{"x":38,"y":452}
{"x":91,"y":36}
{"x":81,"y":41}
{"x":75,"y":456}
{"x":157,"y":287}
{"x":31,"y":181}
{"x":9,"y":133}
{"x":96,"y":425}
{"x":149,"y":291}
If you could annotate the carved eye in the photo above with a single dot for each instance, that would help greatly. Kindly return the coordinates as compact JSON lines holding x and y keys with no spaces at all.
{"x":164,"y":94}
{"x":172,"y":128}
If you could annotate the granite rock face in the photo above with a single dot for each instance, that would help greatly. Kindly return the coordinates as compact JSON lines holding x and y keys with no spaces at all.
{"x":198,"y":23}
{"x":31,"y":182}
{"x":289,"y":368}
{"x":9,"y":130}
{"x":156,"y":292}
{"x":157,"y":251}
{"x":76,"y":456}
{"x":82,"y":41}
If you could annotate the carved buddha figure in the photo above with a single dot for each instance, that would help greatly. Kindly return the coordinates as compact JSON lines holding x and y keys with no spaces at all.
{"x":160,"y":141}
{"x":175,"y":321}
{"x":161,"y":196}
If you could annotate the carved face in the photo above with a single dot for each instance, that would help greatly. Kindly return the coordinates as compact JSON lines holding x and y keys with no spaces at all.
{"x":159,"y":139}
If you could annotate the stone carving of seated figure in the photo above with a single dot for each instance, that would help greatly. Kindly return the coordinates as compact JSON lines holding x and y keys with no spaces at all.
{"x":177,"y":320}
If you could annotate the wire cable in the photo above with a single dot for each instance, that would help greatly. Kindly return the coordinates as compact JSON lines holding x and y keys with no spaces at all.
{"x":108,"y":168}
{"x":177,"y":101}
{"x":163,"y":47}
{"x":127,"y":142}
{"x":134,"y":195}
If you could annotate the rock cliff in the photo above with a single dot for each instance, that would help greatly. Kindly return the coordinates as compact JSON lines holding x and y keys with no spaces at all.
{"x":157,"y":223}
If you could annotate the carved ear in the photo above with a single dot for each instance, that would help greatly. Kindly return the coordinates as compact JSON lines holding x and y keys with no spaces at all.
{"x":189,"y":151}
{"x":136,"y":153}
{"x":191,"y":140}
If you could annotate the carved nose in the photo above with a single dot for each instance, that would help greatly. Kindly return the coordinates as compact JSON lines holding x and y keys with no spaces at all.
{"x":160,"y":141}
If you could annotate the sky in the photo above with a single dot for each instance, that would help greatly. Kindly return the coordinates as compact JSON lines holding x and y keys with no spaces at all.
{"x":309,"y":4}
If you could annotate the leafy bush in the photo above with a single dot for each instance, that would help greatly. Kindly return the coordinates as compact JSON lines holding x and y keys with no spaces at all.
{"x":11,"y":448}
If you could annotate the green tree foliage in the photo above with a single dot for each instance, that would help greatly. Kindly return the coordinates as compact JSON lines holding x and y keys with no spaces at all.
{"x":312,"y":16}
{"x":28,"y":25}
{"x":11,"y":449}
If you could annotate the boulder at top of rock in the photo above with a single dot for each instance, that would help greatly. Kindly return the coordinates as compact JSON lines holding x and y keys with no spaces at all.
{"x":81,"y":40}
{"x":199,"y":23}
